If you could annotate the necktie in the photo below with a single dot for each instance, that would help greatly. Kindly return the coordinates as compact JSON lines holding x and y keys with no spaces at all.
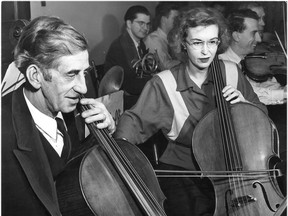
{"x":242,"y":65}
{"x":140,"y":52}
{"x":66,"y":138}
{"x":141,"y":49}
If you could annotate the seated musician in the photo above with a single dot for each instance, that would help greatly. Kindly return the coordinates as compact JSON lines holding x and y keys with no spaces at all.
{"x":270,"y":92}
{"x":127,"y":49}
{"x":165,"y":14}
{"x":53,"y":57}
{"x":175,"y":100}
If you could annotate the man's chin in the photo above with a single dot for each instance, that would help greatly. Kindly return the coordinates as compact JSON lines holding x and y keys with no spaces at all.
{"x":69,"y":109}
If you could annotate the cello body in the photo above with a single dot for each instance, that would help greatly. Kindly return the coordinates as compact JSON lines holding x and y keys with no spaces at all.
{"x":90,"y":184}
{"x":241,"y":195}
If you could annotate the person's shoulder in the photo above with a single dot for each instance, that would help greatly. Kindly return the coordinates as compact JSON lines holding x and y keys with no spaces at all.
{"x":152,"y":36}
{"x":115,"y":46}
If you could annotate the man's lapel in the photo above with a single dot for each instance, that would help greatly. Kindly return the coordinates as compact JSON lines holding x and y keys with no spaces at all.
{"x":129,"y":49}
{"x":31,"y":155}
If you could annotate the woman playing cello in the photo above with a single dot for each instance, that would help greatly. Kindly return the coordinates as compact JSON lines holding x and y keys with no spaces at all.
{"x":174,"y":101}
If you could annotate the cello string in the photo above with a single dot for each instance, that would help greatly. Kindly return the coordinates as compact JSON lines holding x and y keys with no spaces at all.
{"x":230,"y":140}
{"x":222,"y":126}
{"x":230,"y":129}
{"x":112,"y":148}
{"x":233,"y":144}
{"x":232,"y":180}
{"x":117,"y":163}
{"x":101,"y":136}
{"x":136,"y":176}
{"x":133,"y":171}
{"x":220,"y":103}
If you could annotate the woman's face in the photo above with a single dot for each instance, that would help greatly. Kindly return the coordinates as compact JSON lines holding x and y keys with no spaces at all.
{"x":201,"y":44}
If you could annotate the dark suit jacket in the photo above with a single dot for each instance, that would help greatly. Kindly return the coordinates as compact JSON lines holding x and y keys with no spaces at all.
{"x":27,"y":182}
{"x":122,"y":52}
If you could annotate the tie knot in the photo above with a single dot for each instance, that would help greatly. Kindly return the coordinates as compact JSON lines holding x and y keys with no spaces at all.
{"x":242,"y":64}
{"x":60,"y":125}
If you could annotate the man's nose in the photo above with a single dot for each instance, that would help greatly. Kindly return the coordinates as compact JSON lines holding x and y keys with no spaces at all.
{"x":80,"y":85}
{"x":146,"y":27}
{"x":258,"y":37}
{"x":262,"y":22}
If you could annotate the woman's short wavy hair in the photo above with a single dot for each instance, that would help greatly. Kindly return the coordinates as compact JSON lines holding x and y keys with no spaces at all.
{"x":200,"y":17}
{"x":44,"y":40}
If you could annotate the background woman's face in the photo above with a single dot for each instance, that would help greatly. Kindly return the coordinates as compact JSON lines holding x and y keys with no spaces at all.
{"x":202,"y":57}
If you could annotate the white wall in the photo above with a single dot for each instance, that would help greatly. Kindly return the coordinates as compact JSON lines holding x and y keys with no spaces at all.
{"x":99,"y":21}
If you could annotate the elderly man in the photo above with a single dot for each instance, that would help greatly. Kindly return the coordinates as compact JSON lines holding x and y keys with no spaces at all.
{"x":36,"y":145}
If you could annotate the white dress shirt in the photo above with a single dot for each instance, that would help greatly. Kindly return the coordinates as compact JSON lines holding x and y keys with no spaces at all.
{"x":47,"y":126}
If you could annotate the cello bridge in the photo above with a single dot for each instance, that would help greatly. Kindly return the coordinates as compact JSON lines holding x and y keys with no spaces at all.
{"x":244,"y":200}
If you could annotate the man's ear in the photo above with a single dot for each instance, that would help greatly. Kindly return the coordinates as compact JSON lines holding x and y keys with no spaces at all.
{"x":128,"y":24}
{"x":34,"y":76}
{"x":236,"y":36}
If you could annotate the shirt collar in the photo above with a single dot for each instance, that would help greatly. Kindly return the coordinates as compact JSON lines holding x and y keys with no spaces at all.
{"x":42,"y":121}
{"x":134,"y":41}
{"x":183,"y":80}
{"x":230,"y":55}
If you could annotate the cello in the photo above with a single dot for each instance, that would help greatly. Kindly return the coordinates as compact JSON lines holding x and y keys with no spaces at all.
{"x":237,"y":141}
{"x":109,"y":179}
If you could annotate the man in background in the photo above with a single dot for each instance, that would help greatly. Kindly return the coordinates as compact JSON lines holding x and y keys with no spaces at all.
{"x":244,"y":29}
{"x":156,"y":41}
{"x":129,"y":48}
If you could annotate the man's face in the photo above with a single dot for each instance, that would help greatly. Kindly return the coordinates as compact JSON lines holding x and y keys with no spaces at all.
{"x":140,"y":26}
{"x":170,"y":19}
{"x":249,"y":38}
{"x":199,"y":55}
{"x":261,"y":13}
{"x":62,"y":92}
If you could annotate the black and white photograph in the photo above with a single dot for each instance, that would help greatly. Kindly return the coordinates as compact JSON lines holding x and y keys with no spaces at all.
{"x":143,"y":108}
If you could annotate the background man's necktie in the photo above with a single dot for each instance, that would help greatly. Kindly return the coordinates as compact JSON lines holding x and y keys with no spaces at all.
{"x":142,"y":49}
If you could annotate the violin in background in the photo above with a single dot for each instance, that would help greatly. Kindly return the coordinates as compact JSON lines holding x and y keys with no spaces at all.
{"x":260,"y":67}
{"x":268,"y":60}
